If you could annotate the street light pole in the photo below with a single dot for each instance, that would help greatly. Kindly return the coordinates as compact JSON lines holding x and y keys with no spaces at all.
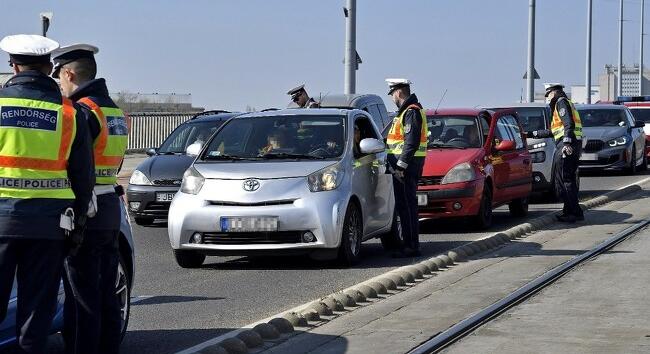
{"x":350,"y":47}
{"x":46,"y":17}
{"x":619,"y":79}
{"x":530,"y":73}
{"x":588,"y":64}
{"x":641,"y":51}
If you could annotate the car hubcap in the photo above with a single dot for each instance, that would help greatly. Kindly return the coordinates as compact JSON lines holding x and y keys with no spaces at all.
{"x":353,"y":232}
{"x":122,"y":292}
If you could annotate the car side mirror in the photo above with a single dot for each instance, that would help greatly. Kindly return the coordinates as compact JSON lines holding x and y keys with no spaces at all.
{"x":506,"y":145}
{"x":151,"y":152}
{"x":371,"y":146}
{"x":193,"y":149}
{"x":639,"y":124}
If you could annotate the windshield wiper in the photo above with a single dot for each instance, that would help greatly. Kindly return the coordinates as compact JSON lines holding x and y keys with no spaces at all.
{"x":445,"y":146}
{"x":284,"y":155}
{"x":224,"y":157}
{"x":170,"y":153}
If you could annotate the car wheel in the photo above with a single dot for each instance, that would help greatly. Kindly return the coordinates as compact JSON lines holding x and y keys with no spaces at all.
{"x":142,"y":221}
{"x":484,"y":218}
{"x":518,"y":207}
{"x":393,"y":239}
{"x":632,"y":169}
{"x":351,"y":236}
{"x":123,"y":293}
{"x":189,"y":259}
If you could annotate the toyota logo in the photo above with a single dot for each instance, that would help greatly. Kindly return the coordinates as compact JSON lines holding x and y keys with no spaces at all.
{"x":251,"y":185}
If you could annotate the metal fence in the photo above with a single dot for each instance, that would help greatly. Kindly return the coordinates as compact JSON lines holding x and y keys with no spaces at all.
{"x":149,"y":130}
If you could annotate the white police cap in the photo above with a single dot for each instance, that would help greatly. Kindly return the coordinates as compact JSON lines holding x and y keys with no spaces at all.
{"x":28,"y":48}
{"x":394,"y":84}
{"x":70,"y":53}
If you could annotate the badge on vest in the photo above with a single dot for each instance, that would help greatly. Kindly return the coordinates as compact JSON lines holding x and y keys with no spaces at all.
{"x":32,"y":118}
{"x":407,"y":128}
{"x":117,"y":126}
{"x":562,"y":111}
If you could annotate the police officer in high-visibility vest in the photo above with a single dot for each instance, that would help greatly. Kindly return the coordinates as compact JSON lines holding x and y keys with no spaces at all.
{"x":92,"y":311}
{"x":566,"y":129}
{"x":46,"y":183}
{"x":407,"y":147}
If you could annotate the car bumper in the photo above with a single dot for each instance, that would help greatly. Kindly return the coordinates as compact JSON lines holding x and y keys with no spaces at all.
{"x":608,"y":159}
{"x":443,"y":198}
{"x":142,"y":201}
{"x":320,"y":213}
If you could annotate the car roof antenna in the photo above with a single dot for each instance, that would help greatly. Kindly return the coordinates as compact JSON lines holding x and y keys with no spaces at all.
{"x":321,"y":98}
{"x":439,"y":102}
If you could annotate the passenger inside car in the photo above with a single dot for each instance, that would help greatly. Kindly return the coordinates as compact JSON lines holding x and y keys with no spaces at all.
{"x":276,"y":140}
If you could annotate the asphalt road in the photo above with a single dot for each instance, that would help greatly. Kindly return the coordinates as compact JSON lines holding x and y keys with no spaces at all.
{"x":177,"y":308}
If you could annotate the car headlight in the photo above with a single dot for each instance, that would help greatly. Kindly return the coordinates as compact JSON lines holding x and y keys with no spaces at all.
{"x":463,"y":172}
{"x":326,"y":179}
{"x":537,"y":146}
{"x":617,"y":142}
{"x":192,"y":181}
{"x":537,"y":157}
{"x":139,"y":179}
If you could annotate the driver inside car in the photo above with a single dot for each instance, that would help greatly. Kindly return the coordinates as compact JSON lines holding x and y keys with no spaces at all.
{"x":276,"y":140}
{"x":471,"y":135}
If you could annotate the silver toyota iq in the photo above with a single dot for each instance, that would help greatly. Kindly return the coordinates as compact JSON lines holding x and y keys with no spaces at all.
{"x":285,"y":182}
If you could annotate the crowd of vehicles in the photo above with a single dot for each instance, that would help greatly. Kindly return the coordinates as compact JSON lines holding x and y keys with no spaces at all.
{"x":267,"y":183}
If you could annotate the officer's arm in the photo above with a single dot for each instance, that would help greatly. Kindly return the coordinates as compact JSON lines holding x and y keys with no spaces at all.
{"x":81,"y":170}
{"x":564,"y":110}
{"x":93,"y":125}
{"x":412,"y":119}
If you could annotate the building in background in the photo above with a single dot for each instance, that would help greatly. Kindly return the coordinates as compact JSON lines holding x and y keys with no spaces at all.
{"x":630,"y":81}
{"x":579,"y":94}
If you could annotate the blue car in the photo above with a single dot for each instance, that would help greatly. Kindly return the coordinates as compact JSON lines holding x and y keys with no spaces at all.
{"x":123,"y":287}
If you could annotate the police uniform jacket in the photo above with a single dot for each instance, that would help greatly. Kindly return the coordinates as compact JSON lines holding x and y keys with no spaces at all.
{"x":108,"y":205}
{"x":566,"y":116}
{"x":40,"y":217}
{"x":412,"y":130}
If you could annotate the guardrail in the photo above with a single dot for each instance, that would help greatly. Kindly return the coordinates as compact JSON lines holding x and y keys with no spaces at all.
{"x":150,"y":129}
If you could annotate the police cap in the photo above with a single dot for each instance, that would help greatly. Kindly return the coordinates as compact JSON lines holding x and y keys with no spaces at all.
{"x":27,"y":49}
{"x":70,"y":53}
{"x":296,"y":91}
{"x":553,"y":87}
{"x":394,"y":84}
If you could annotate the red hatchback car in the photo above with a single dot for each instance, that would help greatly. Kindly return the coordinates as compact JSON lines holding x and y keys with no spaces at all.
{"x":476,"y":160}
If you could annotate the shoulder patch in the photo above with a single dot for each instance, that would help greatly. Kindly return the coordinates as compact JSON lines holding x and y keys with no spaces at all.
{"x":407,"y":128}
{"x":562,"y":111}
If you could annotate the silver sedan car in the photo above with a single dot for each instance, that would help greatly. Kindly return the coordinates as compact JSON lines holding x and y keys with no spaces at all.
{"x":286,"y":182}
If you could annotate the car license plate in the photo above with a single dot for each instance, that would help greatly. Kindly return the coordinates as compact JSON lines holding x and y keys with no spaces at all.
{"x":589,"y":157}
{"x":423,"y":199}
{"x":165,"y":197}
{"x":249,"y":224}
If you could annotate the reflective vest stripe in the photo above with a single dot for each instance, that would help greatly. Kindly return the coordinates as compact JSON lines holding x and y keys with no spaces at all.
{"x":557,"y":127}
{"x":395,"y":138}
{"x":33,"y":183}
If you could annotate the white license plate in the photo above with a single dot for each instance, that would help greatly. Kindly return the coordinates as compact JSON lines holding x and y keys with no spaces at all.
{"x":164,"y":196}
{"x":249,"y":224}
{"x":589,"y":157}
{"x":423,"y":199}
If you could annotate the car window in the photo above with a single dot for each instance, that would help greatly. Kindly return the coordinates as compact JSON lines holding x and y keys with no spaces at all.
{"x":376,"y":115}
{"x":532,"y":118}
{"x":187,"y":134}
{"x":502,"y":131}
{"x":513,"y":126}
{"x":280,"y":137}
{"x":603,"y":117}
{"x":453,"y":132}
{"x":641,"y":114}
{"x":363,"y":129}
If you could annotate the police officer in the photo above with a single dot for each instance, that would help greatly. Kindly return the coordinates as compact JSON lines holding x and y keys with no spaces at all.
{"x":300,"y":97}
{"x":407,"y":146}
{"x":566,"y":129}
{"x":92,"y":309}
{"x":45,"y":171}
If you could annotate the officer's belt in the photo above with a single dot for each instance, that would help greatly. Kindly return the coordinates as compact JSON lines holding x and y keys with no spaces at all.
{"x":34,"y":183}
{"x":104,"y":189}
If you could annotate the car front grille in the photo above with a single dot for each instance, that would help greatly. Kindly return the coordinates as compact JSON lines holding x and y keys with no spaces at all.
{"x":256,"y":204}
{"x":429,"y":181}
{"x":594,"y":146}
{"x":248,"y":238}
{"x":167,"y":182}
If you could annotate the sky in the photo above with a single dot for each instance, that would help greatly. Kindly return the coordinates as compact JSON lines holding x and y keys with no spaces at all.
{"x":234,"y":54}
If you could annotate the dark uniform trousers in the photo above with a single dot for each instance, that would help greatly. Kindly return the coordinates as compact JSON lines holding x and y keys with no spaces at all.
{"x":566,"y":177}
{"x":37,"y":265}
{"x":406,"y":203}
{"x":92,"y":322}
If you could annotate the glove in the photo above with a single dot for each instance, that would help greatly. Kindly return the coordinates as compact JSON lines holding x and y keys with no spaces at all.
{"x":567,"y":150}
{"x":399,"y":172}
{"x":76,"y":236}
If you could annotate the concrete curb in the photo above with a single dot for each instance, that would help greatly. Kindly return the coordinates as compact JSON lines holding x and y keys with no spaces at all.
{"x":377,"y":288}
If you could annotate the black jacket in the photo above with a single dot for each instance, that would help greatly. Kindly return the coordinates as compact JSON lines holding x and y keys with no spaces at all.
{"x":412,"y":131}
{"x":40,"y":218}
{"x":108,"y":212}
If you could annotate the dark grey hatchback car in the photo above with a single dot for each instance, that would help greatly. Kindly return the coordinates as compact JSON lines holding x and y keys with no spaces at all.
{"x":156,"y":180}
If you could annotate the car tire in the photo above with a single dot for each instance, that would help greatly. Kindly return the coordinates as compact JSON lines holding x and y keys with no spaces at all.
{"x":189,"y":259}
{"x":123,"y":292}
{"x":393,"y":239}
{"x":631,"y":170}
{"x":351,"y":236}
{"x":483,"y":219}
{"x":519,"y":207}
{"x":143,"y":221}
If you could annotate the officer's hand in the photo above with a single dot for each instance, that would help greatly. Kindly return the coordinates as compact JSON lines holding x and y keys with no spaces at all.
{"x":567,"y":150}
{"x":399,"y":172}
{"x":532,"y":134}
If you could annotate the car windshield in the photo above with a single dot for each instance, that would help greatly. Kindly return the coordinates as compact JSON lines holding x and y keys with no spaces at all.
{"x":602,"y":117}
{"x":279,"y":138}
{"x":531,"y":118}
{"x":453,"y":132}
{"x":641,"y":114}
{"x":187,"y":134}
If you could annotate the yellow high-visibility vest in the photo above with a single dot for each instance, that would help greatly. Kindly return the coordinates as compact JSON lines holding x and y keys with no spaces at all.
{"x":557,"y":127}
{"x":395,"y":140}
